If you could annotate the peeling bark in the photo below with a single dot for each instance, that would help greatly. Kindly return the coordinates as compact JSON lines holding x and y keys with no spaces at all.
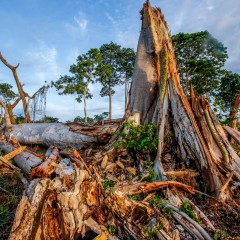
{"x":199,"y":139}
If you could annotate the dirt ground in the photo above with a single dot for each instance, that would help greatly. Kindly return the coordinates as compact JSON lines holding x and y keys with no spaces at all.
{"x":11,"y":189}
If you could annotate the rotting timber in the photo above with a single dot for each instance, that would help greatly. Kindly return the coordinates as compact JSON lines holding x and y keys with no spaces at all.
{"x":68,"y":199}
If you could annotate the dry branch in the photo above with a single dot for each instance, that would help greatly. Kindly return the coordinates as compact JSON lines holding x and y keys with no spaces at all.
{"x":204,"y":234}
{"x":148,"y":187}
{"x":19,"y":85}
{"x":14,"y":153}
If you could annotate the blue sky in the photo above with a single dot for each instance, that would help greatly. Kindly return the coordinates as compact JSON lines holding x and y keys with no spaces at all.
{"x":46,"y":36}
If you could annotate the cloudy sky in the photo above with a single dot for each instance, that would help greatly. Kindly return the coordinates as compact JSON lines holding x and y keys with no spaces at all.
{"x":46,"y":36}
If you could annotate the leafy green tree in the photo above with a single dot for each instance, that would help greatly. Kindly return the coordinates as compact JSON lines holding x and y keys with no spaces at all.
{"x":83,"y":74}
{"x":19,"y":119}
{"x":6,"y":93}
{"x":48,"y":119}
{"x":200,"y":58}
{"x":115,"y":67}
{"x":100,"y":117}
{"x":96,"y":118}
{"x":226,"y":95}
{"x":108,"y":71}
{"x":82,"y":119}
{"x":126,"y":61}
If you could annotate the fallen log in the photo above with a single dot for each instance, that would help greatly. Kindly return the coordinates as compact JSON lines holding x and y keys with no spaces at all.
{"x":62,"y":135}
{"x":25,"y":160}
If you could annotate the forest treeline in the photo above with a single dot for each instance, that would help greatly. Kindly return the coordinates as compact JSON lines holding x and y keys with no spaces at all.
{"x":200,"y":61}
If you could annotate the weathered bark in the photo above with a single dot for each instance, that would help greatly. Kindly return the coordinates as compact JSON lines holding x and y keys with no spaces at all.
{"x":19,"y":85}
{"x":48,"y":166}
{"x":62,"y":135}
{"x":41,"y":89}
{"x":60,"y":211}
{"x":155,"y":72}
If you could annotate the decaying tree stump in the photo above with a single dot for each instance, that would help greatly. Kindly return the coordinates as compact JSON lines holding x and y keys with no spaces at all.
{"x":155,"y":77}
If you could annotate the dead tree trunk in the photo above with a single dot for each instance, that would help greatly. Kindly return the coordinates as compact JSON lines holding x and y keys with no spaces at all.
{"x":25,"y":160}
{"x":155,"y":77}
{"x":20,"y":89}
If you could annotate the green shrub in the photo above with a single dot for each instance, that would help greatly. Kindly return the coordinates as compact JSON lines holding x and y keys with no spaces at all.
{"x":158,"y":202}
{"x":152,"y":175}
{"x":112,"y":229}
{"x":139,"y":138}
{"x":186,"y":208}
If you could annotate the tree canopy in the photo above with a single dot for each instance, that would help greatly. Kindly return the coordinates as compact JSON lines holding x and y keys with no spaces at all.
{"x":227,"y":92}
{"x":115,"y":67}
{"x":110,"y":65}
{"x":200,"y":58}
{"x":83,"y":73}
{"x":6,"y":93}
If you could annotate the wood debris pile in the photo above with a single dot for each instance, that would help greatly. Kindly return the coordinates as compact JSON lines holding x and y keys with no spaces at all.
{"x":84,"y":188}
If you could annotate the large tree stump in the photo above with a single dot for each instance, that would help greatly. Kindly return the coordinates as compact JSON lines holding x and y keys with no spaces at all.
{"x":155,"y":77}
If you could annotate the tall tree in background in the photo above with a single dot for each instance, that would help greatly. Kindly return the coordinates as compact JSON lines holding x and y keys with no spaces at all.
{"x":115,"y":67}
{"x":108,"y":71}
{"x":127,"y":60}
{"x":83,"y":74}
{"x":228,"y":97}
{"x":200,"y":57}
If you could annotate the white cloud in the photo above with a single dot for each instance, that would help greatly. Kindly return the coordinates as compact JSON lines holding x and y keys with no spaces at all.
{"x":111,"y":19}
{"x":79,"y":26}
{"x":219,"y":17}
{"x":81,"y":21}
